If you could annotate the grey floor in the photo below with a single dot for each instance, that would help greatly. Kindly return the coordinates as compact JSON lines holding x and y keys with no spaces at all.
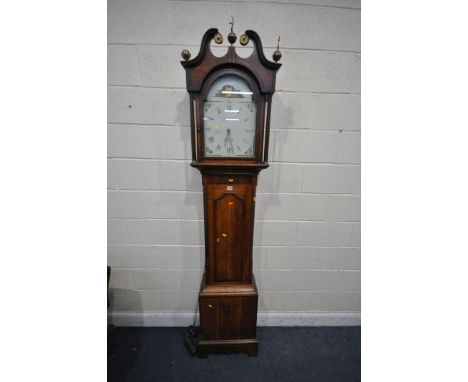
{"x":285,"y":354}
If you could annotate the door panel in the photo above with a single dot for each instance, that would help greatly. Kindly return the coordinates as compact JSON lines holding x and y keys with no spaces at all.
{"x":229,"y":228}
{"x":209,"y":317}
{"x":229,"y":212}
{"x":248,"y":322}
{"x":230,"y":317}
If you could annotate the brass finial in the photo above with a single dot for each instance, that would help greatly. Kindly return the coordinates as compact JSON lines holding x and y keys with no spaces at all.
{"x":232,"y":36}
{"x":244,"y":39}
{"x":218,"y":38}
{"x":185,"y":54}
{"x":277,"y":54}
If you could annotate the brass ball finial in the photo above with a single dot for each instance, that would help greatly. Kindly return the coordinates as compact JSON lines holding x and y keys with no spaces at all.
{"x":218,"y":38}
{"x":185,"y":54}
{"x":244,"y":39}
{"x":232,"y":36}
{"x":277,"y":54}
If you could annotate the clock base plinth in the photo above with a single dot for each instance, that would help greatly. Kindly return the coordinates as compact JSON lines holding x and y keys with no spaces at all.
{"x":228,"y":319}
{"x":201,"y":349}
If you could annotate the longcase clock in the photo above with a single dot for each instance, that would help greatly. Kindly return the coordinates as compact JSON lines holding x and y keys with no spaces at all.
{"x":230,"y":103}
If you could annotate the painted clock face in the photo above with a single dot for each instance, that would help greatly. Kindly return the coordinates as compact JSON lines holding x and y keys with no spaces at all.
{"x":229,"y":119}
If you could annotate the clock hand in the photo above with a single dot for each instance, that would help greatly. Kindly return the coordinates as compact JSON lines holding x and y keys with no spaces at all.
{"x":228,"y":139}
{"x":228,"y":135}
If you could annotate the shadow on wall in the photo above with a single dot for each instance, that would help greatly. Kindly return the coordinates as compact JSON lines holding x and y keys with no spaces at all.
{"x":269,"y":180}
{"x":192,"y":175}
{"x":194,"y":184}
{"x":280,"y":138}
{"x":182,"y":110}
{"x":128,"y":299}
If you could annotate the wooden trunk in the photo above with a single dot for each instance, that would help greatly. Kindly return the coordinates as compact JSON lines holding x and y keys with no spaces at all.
{"x":228,"y":298}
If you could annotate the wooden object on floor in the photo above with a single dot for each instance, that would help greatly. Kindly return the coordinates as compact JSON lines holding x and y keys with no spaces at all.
{"x":230,"y":105}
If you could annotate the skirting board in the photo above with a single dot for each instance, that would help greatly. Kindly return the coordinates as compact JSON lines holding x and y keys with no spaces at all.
{"x":263,"y":319}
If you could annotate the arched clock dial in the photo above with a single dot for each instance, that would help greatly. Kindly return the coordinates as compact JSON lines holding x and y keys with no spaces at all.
{"x":229,"y":119}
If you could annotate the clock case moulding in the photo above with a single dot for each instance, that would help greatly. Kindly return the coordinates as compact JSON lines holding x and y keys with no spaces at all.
{"x":228,"y":296}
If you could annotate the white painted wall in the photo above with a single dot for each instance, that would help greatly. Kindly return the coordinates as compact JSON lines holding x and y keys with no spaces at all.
{"x":307,"y":229}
